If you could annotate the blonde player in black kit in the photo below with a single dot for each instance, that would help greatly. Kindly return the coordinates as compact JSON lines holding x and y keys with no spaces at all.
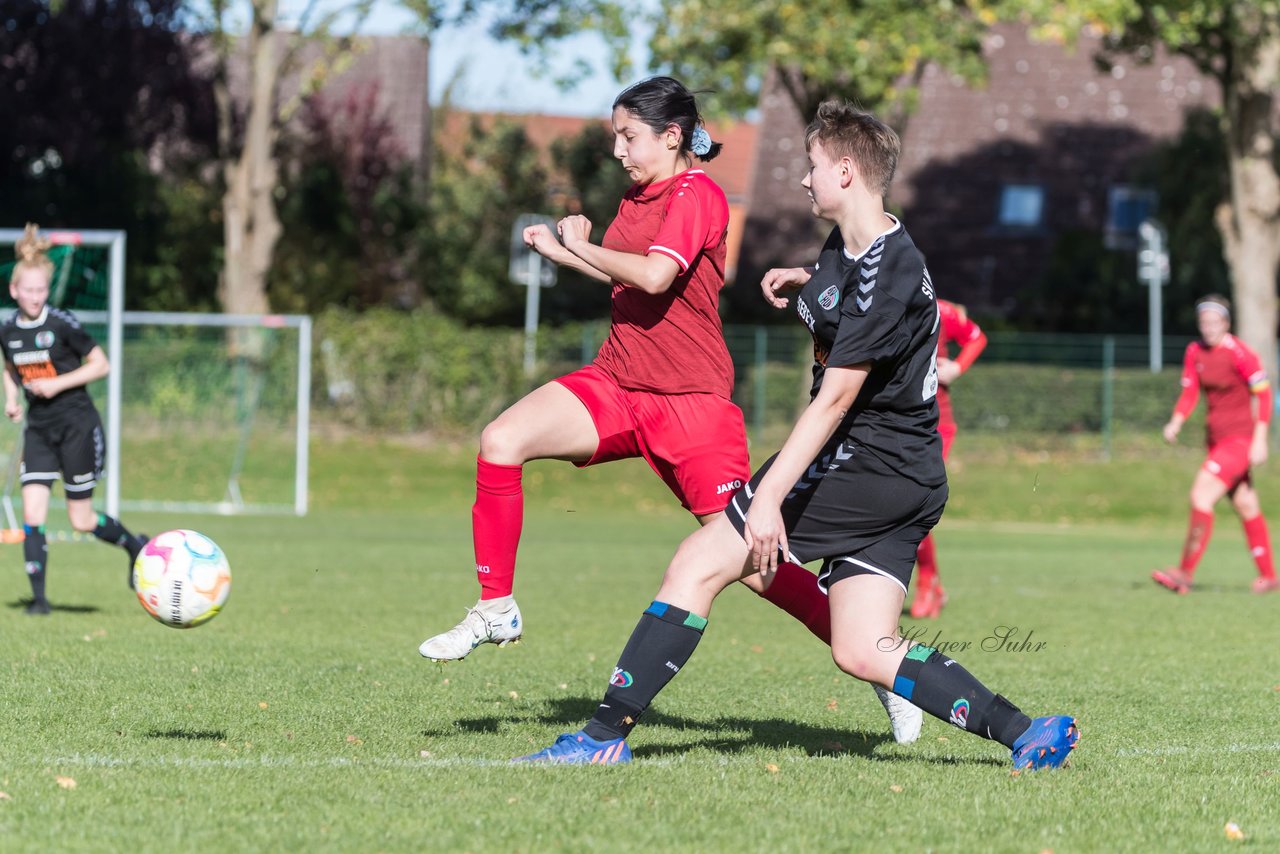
{"x":50,"y":357}
{"x":857,"y":485}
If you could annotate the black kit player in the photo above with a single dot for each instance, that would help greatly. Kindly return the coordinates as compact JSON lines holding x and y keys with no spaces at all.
{"x":51,"y":357}
{"x":857,"y":484}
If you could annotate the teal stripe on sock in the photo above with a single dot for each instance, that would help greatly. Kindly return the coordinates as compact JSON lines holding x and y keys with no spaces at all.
{"x":693,"y":621}
{"x":920,"y":652}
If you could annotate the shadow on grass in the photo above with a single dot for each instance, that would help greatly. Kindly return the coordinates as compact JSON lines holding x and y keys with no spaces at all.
{"x":188,"y":734}
{"x":570,"y":713}
{"x":54,"y":606}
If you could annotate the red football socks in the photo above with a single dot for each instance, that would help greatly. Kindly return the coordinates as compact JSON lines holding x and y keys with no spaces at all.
{"x":795,"y":590}
{"x":1199,"y":529}
{"x":496,"y":519}
{"x":1259,"y":540}
{"x":926,"y":563}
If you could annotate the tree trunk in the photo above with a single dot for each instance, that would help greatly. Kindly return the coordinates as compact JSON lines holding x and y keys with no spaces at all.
{"x":251,"y":226}
{"x":1250,"y":227}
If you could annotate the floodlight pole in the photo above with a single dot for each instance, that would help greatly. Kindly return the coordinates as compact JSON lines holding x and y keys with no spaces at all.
{"x":532,"y":298}
{"x":1153,"y":271}
{"x":528,"y":268}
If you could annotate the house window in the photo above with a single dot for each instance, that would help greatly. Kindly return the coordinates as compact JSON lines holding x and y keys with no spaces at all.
{"x":1021,"y":205}
{"x":1127,"y":207}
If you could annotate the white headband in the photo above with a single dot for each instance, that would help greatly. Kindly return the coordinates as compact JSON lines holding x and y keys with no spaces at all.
{"x":1213,"y":306}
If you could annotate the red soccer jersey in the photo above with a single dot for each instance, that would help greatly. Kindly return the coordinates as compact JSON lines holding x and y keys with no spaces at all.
{"x":672,"y":342}
{"x":1230,"y":374}
{"x":956,"y":326}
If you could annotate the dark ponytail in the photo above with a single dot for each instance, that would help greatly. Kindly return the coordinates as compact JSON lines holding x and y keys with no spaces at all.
{"x":660,"y":102}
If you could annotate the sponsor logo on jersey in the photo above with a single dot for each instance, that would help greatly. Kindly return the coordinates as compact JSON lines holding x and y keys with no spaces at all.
{"x":806,"y":315}
{"x":31,"y":357}
{"x":731,"y":486}
{"x":960,"y":713}
{"x":828,"y":298}
{"x":620,"y":678}
{"x":44,"y":338}
{"x":16,"y":344}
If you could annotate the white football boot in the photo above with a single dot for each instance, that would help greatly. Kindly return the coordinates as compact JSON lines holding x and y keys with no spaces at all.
{"x":494,"y":621}
{"x":905,"y":717}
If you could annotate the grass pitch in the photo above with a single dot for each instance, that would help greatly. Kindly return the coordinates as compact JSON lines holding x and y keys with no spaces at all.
{"x":303,"y":718}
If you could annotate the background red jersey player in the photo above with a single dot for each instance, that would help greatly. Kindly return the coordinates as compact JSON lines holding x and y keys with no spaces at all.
{"x":1238,"y":398}
{"x":956,"y":328}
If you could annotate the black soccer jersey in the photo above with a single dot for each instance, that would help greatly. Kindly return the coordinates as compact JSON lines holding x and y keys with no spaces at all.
{"x":880,"y":309}
{"x":53,"y":344}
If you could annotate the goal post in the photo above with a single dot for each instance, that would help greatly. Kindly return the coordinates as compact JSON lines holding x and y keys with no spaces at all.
{"x":178,"y":395}
{"x":184,"y":392}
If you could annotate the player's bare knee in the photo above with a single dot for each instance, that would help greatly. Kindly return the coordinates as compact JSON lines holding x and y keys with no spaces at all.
{"x":1246,"y":504}
{"x":859,"y":660}
{"x":83,"y":522}
{"x":501,"y":443}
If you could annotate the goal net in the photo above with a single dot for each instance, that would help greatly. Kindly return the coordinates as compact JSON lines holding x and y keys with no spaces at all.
{"x":193,"y":423}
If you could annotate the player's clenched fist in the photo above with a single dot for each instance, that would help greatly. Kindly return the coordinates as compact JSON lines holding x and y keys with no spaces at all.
{"x":573,"y":229}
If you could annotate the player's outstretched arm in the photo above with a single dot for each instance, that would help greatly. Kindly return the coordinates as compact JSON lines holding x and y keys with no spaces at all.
{"x":765,"y":532}
{"x":782,"y":280}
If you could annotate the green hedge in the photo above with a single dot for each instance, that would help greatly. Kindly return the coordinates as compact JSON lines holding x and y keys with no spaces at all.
{"x":418,"y":371}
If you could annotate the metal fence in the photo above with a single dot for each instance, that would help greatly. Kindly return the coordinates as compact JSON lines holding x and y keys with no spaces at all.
{"x":1023,"y":383}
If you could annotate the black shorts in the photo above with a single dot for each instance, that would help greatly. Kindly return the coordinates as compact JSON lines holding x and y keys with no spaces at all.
{"x":854,"y":512}
{"x":75,"y":449}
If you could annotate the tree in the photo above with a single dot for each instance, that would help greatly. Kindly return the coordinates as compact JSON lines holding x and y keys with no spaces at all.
{"x":106,"y":125}
{"x":870,"y":51}
{"x":1237,"y":44}
{"x":252,"y":114}
{"x":349,"y":208}
{"x":476,"y":194}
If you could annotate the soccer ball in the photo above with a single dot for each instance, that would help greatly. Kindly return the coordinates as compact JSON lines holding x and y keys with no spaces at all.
{"x":182,"y":578}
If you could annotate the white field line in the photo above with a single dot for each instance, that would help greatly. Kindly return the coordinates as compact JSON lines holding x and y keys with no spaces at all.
{"x":96,"y":760}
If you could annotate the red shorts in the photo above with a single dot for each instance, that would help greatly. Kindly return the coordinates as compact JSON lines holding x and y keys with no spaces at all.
{"x":697,"y":443}
{"x":1228,"y":460}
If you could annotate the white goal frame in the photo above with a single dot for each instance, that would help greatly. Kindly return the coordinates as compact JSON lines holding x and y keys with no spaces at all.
{"x":115,"y":318}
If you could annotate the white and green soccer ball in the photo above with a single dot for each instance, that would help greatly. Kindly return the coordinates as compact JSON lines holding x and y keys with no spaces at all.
{"x":182,"y":578}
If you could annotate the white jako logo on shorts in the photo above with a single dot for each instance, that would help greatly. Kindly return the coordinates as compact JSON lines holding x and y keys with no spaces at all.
{"x":731,"y":486}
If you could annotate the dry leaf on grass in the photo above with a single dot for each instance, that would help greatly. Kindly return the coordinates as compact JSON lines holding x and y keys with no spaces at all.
{"x":65,"y":782}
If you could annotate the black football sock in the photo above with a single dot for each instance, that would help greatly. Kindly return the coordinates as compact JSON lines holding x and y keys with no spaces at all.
{"x":110,"y":530}
{"x":944,"y":689}
{"x":35,"y":552}
{"x":661,"y":643}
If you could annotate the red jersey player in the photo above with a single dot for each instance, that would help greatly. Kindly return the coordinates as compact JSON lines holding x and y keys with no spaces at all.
{"x":1239,"y":411}
{"x":660,"y":386}
{"x":956,"y":327}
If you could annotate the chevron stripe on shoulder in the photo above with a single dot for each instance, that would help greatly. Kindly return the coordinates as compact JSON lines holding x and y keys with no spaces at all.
{"x":65,"y":316}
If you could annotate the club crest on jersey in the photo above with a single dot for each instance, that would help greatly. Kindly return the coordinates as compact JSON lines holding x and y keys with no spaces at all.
{"x":828,"y":298}
{"x":44,"y":338}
